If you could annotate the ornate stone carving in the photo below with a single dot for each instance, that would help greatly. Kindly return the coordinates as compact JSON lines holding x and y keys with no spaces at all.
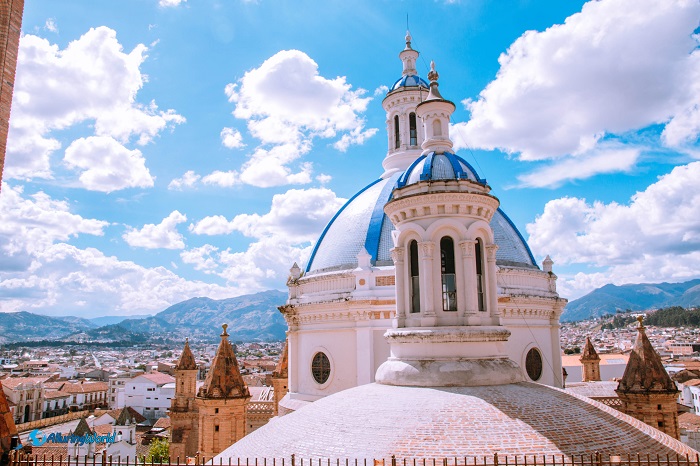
{"x":425,"y":249}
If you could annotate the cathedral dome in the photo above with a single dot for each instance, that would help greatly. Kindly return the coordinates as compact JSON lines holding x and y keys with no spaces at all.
{"x":434,"y":166}
{"x":410,"y":80}
{"x":377,"y":421}
{"x":362,"y":224}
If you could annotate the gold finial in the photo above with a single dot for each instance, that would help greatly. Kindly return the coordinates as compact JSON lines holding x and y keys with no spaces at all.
{"x":640,"y":319}
{"x":224,"y":326}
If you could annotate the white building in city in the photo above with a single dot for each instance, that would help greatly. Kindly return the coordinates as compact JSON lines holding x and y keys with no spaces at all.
{"x":150,"y":394}
{"x":392,"y":259}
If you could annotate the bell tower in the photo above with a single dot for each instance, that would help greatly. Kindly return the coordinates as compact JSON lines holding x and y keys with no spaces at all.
{"x":405,"y":133}
{"x":183,"y":411}
{"x":447,"y":330}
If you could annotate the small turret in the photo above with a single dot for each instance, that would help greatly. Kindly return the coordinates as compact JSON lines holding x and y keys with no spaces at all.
{"x":591,"y":362}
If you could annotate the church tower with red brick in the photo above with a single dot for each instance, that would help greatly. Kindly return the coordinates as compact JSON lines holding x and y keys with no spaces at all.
{"x":184,"y":416}
{"x":221,"y":402}
{"x":646,"y":390}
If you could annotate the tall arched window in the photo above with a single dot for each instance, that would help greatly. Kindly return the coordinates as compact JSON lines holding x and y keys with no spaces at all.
{"x":449,"y":280}
{"x":412,"y":128}
{"x":397,"y":136}
{"x":437,"y":128}
{"x":480,"y":282}
{"x":415,"y":284}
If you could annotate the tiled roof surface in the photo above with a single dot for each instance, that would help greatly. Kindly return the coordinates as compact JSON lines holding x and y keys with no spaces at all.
{"x":186,"y":361}
{"x":84,"y":387}
{"x":159,"y":378}
{"x":645,"y":372}
{"x":376,"y":421}
{"x":53,"y":394}
{"x":224,"y":378}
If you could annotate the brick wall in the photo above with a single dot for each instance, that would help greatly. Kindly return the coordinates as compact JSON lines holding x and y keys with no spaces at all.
{"x":10,"y":26}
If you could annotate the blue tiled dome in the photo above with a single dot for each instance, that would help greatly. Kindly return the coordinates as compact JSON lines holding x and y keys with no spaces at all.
{"x":362,"y":223}
{"x":410,"y":80}
{"x":434,"y":166}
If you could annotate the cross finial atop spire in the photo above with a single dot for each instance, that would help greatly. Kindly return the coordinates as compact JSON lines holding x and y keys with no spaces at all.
{"x":433,"y":75}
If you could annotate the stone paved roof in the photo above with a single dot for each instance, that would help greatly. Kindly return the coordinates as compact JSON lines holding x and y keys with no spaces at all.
{"x":376,"y":421}
{"x":224,"y":378}
{"x":589,"y":352}
{"x":645,"y":372}
{"x":186,"y":361}
{"x":599,"y":389}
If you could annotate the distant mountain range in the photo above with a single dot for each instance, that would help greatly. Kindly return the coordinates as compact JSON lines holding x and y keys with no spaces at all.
{"x":611,"y":298}
{"x":249,"y":318}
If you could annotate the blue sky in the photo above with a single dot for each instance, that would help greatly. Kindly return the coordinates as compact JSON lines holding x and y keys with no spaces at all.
{"x":164,"y":149}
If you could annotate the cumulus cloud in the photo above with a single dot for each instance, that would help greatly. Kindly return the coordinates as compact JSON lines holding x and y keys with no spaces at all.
{"x":286,"y":104}
{"x":582,"y":167}
{"x":282,"y":236}
{"x":617,"y":66}
{"x":92,"y":80}
{"x":164,"y":235}
{"x":106,"y":165}
{"x":201,"y":258}
{"x":232,"y":138}
{"x":655,"y":237}
{"x":41,"y":272}
{"x":223,"y":179}
{"x":50,"y":25}
{"x":187,"y":180}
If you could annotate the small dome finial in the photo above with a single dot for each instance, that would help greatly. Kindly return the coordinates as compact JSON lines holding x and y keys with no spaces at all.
{"x":433,"y":75}
{"x":408,"y":39}
{"x":224,"y":326}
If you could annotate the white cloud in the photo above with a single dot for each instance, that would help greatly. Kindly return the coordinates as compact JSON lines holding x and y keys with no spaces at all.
{"x":617,"y":66}
{"x":287,"y":104}
{"x":164,"y":235}
{"x":231,"y":138}
{"x":40,"y":272}
{"x":381,"y":90}
{"x":324,"y":178}
{"x":582,"y":167}
{"x":200,"y":257}
{"x":212,"y":225}
{"x":92,"y":80}
{"x":50,"y":25}
{"x":106,"y":165}
{"x":223,"y":179}
{"x":187,"y":180}
{"x":32,"y":223}
{"x":282,"y":236}
{"x":655,"y":237}
{"x":170,"y":3}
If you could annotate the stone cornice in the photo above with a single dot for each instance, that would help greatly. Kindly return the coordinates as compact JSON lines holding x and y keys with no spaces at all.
{"x":447,"y":334}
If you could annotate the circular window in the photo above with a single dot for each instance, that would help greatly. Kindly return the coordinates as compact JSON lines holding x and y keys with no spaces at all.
{"x":533,"y":364}
{"x":320,"y":368}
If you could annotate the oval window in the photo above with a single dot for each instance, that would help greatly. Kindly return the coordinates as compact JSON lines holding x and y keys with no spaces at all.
{"x":320,"y":368}
{"x":533,"y":364}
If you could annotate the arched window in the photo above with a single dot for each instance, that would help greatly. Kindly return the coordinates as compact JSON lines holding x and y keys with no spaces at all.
{"x":412,"y":129}
{"x":397,"y":137}
{"x":437,"y":128}
{"x":415,"y":284}
{"x":449,"y":280}
{"x":480,"y":282}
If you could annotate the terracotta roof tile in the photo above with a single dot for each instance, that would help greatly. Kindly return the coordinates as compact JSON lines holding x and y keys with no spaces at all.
{"x":645,"y":372}
{"x":224,"y":378}
{"x":159,"y":378}
{"x":85,"y":387}
{"x":186,"y":361}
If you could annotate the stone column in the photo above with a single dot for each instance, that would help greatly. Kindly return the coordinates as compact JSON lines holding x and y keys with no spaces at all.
{"x":469,"y":284}
{"x":397,"y":255}
{"x":492,"y":284}
{"x":426,"y":250}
